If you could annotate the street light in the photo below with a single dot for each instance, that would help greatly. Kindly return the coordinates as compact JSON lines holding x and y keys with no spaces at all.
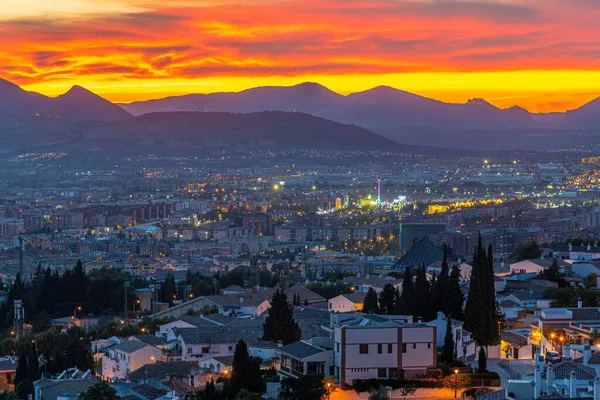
{"x":78,"y":308}
{"x":509,"y":355}
{"x":153,"y":359}
{"x":328,"y":390}
{"x":455,"y":381}
{"x":389,"y":389}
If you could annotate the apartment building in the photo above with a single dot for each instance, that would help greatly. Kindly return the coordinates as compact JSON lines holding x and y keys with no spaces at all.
{"x":374,"y":346}
{"x":127,"y":356}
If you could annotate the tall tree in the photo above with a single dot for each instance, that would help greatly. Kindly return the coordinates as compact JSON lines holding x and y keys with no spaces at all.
{"x":454,"y":295}
{"x":407,"y":298}
{"x":387,"y":299}
{"x":448,"y":350}
{"x":239,"y":366}
{"x":280,"y":323}
{"x":528,"y":252}
{"x":482,"y":361}
{"x":473,"y":309}
{"x":100,"y":391}
{"x":441,"y":285}
{"x":21,"y":373}
{"x":370,"y":302}
{"x":423,"y":306}
{"x":33,"y":364}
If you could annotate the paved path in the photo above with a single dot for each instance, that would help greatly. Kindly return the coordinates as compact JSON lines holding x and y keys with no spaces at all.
{"x":520,"y":368}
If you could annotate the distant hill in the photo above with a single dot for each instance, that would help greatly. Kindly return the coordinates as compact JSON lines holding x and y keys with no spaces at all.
{"x":380,"y":107}
{"x":262,"y":130}
{"x":30,"y":120}
{"x":584,"y":117}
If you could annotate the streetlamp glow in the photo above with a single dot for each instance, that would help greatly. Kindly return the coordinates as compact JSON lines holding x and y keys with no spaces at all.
{"x":455,"y":382}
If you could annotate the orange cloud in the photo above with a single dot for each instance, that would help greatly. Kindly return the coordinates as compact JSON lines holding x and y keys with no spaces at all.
{"x":447,"y":49}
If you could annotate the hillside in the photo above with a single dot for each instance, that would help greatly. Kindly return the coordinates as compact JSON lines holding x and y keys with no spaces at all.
{"x":213,"y":130}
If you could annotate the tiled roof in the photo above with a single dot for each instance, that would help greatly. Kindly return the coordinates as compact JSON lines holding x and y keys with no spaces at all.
{"x":423,"y":252}
{"x":300,"y":349}
{"x":234,"y":288}
{"x":513,"y":338}
{"x":129,"y":346}
{"x":594,"y":359}
{"x":357,"y":298}
{"x":563,"y":370}
{"x":161,"y":369}
{"x":148,"y":391}
{"x":218,"y":335}
{"x":152,"y":340}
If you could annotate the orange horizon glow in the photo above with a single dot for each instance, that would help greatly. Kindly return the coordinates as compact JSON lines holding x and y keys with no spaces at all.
{"x":543,"y":55}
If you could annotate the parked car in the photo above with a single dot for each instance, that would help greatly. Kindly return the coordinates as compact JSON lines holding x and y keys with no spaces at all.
{"x":553,"y":357}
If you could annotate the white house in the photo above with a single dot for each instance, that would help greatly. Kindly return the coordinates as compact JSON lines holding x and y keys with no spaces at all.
{"x":440,"y":324}
{"x":127,"y":356}
{"x":375,"y":346}
{"x":347,"y":302}
{"x":534,"y":266}
{"x":300,"y":358}
{"x":362,"y":284}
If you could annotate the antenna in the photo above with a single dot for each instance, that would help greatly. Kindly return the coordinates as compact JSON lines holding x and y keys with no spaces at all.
{"x":19,"y":318}
{"x":20,"y":239}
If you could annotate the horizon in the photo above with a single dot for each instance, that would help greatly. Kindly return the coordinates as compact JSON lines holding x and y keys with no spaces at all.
{"x":302,"y":83}
{"x":538,"y":55}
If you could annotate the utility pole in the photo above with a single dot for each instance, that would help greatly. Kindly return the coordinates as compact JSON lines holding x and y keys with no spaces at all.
{"x":125,"y":311}
{"x":20,"y":240}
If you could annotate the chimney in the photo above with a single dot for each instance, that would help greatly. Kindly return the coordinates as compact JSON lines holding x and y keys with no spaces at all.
{"x":279,"y":344}
{"x":367,"y":276}
{"x":549,"y":379}
{"x":440,"y":315}
{"x":589,"y":247}
{"x":567,"y":352}
{"x":358,"y":274}
{"x":573,"y":385}
{"x":538,"y":381}
{"x":420,"y":319}
{"x":539,"y":360}
{"x":570,"y":247}
{"x":597,"y":388}
{"x":587,"y":352}
{"x":579,"y":303}
{"x":241,"y":300}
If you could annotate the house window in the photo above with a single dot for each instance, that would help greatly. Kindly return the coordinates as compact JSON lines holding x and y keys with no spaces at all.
{"x":404,"y":347}
{"x":337,"y":347}
{"x":364,"y":349}
{"x":381,"y":372}
{"x":189,"y":350}
{"x":230,"y":348}
{"x":379,"y":348}
{"x":414,"y":346}
{"x":205,"y":350}
{"x":389,"y":348}
{"x":428,"y":345}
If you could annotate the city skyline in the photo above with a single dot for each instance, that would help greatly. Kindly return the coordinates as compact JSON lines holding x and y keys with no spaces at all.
{"x":541,"y":55}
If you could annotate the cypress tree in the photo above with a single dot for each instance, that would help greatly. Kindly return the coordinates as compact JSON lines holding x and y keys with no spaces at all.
{"x":441,"y":285}
{"x":422,"y":307}
{"x":454,"y":296}
{"x":407,"y":298}
{"x":21,"y":373}
{"x":473,"y":308}
{"x":239,"y":366}
{"x":280,"y":323}
{"x":33,"y":365}
{"x":482,"y":362}
{"x":387,"y":299}
{"x":370,"y":302}
{"x":448,"y":350}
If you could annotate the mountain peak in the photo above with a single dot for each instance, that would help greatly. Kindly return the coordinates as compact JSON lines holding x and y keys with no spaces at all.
{"x":479,"y":102}
{"x":77,"y":90}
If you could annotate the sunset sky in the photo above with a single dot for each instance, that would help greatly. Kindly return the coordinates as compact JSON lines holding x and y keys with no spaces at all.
{"x":541,"y":54}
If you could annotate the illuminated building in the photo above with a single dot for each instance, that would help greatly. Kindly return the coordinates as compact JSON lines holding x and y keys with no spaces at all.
{"x":409,"y":233}
{"x":338,"y":203}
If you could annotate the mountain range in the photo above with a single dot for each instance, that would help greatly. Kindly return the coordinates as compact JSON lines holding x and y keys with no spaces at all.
{"x":307,"y":115}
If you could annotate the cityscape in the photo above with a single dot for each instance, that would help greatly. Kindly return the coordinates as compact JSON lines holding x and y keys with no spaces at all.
{"x":299,"y":200}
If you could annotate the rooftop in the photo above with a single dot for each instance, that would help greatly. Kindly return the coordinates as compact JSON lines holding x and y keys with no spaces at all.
{"x":300,"y":349}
